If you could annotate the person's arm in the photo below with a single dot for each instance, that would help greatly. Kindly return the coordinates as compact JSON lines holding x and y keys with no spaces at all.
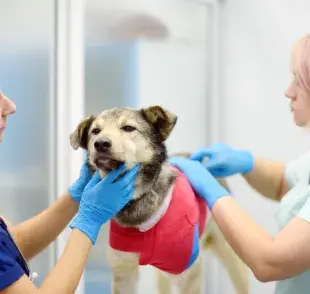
{"x":265,"y":176}
{"x":101,"y":200}
{"x":268,"y":178}
{"x":270,"y":258}
{"x":66,"y":274}
{"x":274,"y":179}
{"x":35,"y":234}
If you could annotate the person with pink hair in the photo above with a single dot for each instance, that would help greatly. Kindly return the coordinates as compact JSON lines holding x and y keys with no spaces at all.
{"x":285,"y":257}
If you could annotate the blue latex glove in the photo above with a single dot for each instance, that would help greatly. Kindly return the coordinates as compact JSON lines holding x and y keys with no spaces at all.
{"x":202,"y":181}
{"x":224,"y":161}
{"x":77,"y":188}
{"x":102,"y":199}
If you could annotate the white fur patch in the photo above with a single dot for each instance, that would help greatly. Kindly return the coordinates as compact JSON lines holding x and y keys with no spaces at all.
{"x":151,"y":222}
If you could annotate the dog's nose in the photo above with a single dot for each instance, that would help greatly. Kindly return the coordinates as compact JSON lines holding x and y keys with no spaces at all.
{"x":103,"y":144}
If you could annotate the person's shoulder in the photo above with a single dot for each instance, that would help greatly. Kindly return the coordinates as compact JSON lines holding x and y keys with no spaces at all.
{"x":7,"y":222}
{"x":10,"y":270}
{"x":303,"y":158}
{"x":297,"y":169}
{"x":302,"y":162}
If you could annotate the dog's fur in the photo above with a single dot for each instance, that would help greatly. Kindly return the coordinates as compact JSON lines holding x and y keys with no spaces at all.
{"x":125,"y":135}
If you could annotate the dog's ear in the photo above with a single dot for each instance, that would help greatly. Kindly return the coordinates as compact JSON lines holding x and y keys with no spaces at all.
{"x":161,"y":119}
{"x":79,"y":137}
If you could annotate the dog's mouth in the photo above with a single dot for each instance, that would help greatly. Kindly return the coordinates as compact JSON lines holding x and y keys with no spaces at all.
{"x":107,"y":163}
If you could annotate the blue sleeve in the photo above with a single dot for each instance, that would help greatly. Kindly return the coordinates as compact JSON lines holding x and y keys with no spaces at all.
{"x":196,"y":248}
{"x":10,"y":270}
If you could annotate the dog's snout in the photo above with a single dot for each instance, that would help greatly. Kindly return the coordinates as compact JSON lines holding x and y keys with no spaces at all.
{"x":103,"y":144}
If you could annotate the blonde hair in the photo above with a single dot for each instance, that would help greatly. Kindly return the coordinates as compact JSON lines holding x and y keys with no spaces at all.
{"x":300,"y":62}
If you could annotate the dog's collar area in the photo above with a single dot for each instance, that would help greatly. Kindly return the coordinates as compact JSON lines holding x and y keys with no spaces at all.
{"x":154,"y":219}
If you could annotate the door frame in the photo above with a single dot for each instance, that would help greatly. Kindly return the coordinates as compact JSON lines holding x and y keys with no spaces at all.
{"x":69,"y":74}
{"x":215,"y":112}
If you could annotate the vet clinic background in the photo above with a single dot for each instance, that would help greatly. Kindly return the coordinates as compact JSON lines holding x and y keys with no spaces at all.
{"x":221,"y":66}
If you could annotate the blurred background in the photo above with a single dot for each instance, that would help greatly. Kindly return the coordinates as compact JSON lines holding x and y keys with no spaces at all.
{"x":221,"y":66}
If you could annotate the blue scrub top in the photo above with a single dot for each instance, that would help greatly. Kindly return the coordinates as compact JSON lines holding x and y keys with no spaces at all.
{"x":12,"y":264}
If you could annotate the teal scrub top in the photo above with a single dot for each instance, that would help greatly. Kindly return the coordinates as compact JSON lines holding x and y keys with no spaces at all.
{"x":296,"y":202}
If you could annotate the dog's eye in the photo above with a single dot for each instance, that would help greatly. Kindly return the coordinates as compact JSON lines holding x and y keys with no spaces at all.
{"x":128,"y":129}
{"x":95,"y":131}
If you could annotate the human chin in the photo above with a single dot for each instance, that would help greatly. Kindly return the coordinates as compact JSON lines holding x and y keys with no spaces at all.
{"x":300,"y":121}
{"x":1,"y":133}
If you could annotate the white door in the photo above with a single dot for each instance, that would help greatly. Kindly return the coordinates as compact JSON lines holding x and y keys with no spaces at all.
{"x":69,"y":95}
{"x":27,"y":169}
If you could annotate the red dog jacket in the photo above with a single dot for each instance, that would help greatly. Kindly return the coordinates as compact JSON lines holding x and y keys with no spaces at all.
{"x":169,"y":243}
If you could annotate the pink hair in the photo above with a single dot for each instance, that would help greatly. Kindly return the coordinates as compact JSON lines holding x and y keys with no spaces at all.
{"x":301,"y":62}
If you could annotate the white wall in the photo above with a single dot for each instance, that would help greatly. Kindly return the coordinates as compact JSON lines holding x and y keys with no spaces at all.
{"x":174,"y":75}
{"x":185,"y":20}
{"x":32,"y":21}
{"x":257,"y":36}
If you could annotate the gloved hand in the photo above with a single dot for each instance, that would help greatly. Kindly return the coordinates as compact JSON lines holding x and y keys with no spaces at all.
{"x":102,"y":199}
{"x":77,"y":188}
{"x":202,"y":181}
{"x":224,"y":161}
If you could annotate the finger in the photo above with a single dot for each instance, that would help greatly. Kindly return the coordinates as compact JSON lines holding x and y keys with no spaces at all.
{"x":182,"y":164}
{"x":215,"y":168}
{"x":94,"y":180}
{"x":128,"y":193}
{"x":129,"y":177}
{"x":213,"y":163}
{"x":85,"y":171}
{"x":134,"y":171}
{"x":85,"y":156}
{"x":129,"y":188}
{"x":112,"y":175}
{"x":201,"y":154}
{"x":85,"y":177}
{"x":177,"y":159}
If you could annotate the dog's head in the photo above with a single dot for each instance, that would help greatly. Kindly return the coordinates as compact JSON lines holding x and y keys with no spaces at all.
{"x":124,"y":135}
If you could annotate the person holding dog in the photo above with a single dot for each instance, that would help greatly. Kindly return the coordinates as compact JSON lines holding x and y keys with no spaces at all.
{"x":285,"y":257}
{"x":93,"y":200}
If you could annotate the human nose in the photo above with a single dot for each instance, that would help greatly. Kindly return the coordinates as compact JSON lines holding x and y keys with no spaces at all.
{"x":291,"y":92}
{"x":7,"y":106}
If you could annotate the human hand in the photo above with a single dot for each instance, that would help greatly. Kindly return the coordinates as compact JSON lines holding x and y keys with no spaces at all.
{"x":77,"y":188}
{"x":102,"y":199}
{"x":202,"y":181}
{"x":224,"y":161}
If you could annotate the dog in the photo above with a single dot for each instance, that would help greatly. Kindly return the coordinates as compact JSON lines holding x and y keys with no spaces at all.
{"x":129,"y":136}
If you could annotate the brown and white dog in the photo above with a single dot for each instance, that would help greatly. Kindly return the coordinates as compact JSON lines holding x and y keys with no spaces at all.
{"x":129,"y":136}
